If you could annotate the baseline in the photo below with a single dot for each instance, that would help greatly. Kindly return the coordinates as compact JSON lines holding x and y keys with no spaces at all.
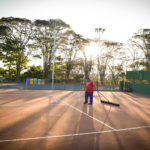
{"x":71,"y":135}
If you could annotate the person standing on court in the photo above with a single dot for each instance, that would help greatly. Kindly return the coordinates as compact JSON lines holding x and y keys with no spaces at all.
{"x":89,"y":89}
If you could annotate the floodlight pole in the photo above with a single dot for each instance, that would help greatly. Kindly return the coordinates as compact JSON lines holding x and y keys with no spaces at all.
{"x":54,"y":49}
{"x":98,"y":30}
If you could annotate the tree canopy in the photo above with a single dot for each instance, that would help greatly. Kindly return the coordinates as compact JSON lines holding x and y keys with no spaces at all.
{"x":23,"y":40}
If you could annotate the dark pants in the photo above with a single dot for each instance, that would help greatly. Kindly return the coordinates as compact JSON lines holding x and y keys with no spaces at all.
{"x":89,"y":94}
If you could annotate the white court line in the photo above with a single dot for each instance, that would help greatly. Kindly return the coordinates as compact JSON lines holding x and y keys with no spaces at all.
{"x":133,"y":128}
{"x":57,"y":102}
{"x":76,"y":134}
{"x":89,"y":116}
{"x":15,"y":105}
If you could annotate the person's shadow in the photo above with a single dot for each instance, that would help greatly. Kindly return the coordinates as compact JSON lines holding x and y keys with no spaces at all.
{"x":85,"y":140}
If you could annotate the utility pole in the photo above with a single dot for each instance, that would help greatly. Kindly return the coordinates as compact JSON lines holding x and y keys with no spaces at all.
{"x":54,"y":49}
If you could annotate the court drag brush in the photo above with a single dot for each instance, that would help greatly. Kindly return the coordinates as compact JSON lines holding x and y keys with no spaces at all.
{"x":107,"y":101}
{"x":110,"y":103}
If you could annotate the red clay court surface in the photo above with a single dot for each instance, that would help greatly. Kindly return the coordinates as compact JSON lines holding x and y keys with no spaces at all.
{"x":58,"y":120}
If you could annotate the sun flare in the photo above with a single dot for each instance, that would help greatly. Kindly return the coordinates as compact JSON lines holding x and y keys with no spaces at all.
{"x":92,"y":50}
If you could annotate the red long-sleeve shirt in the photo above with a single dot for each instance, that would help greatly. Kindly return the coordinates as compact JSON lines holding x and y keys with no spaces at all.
{"x":89,"y":86}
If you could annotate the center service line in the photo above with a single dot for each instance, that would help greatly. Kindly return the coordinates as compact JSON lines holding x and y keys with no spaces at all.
{"x":89,"y":116}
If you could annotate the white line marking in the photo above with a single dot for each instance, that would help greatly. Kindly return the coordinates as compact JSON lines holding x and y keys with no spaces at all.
{"x":76,"y":134}
{"x":15,"y":105}
{"x":89,"y":116}
{"x":56,"y":136}
{"x":56,"y":102}
{"x":133,"y":128}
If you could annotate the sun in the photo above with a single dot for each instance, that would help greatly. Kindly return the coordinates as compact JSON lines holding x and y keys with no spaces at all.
{"x":92,"y":50}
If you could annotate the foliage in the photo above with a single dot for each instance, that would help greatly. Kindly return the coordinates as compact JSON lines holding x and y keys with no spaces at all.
{"x":46,"y":40}
{"x":117,"y":73}
{"x":33,"y":72}
{"x":2,"y":72}
{"x":43,"y":40}
{"x":141,"y":39}
{"x":74,"y":43}
{"x":86,"y":61}
{"x":107,"y":55}
{"x":15,"y":38}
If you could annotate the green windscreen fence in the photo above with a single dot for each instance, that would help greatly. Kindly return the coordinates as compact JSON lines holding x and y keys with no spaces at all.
{"x":138,"y":75}
{"x":138,"y":87}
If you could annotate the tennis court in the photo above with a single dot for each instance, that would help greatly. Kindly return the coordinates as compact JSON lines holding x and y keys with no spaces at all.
{"x":58,"y":120}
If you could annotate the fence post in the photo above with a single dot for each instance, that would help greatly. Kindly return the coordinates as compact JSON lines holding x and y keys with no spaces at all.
{"x":121,"y":86}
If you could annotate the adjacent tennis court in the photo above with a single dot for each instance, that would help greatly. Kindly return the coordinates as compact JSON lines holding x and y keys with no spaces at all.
{"x":56,"y":120}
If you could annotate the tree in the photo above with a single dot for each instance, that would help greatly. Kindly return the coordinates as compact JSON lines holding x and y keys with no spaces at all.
{"x":86,"y":61}
{"x":43,"y":40}
{"x":71,"y":47}
{"x":2,"y":72}
{"x":77,"y":72}
{"x":107,"y":53}
{"x":116,"y":73}
{"x":132,"y":50}
{"x":9,"y":56}
{"x":15,"y":38}
{"x":141,"y":39}
{"x":33,"y":72}
{"x":59,"y":70}
{"x":134,"y":56}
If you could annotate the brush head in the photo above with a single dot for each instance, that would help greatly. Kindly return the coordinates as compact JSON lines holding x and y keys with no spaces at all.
{"x":110,"y":103}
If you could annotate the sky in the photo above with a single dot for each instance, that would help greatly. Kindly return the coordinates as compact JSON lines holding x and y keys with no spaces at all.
{"x":120,"y":18}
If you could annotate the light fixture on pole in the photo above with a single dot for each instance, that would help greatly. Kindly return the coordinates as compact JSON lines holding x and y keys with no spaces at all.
{"x":99,"y":31}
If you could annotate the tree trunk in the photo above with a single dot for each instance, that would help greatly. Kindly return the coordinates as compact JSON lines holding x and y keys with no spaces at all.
{"x":102,"y":80}
{"x":18,"y":68}
{"x":46,"y":70}
{"x":68,"y":71}
{"x":9,"y":72}
{"x":87,"y":68}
